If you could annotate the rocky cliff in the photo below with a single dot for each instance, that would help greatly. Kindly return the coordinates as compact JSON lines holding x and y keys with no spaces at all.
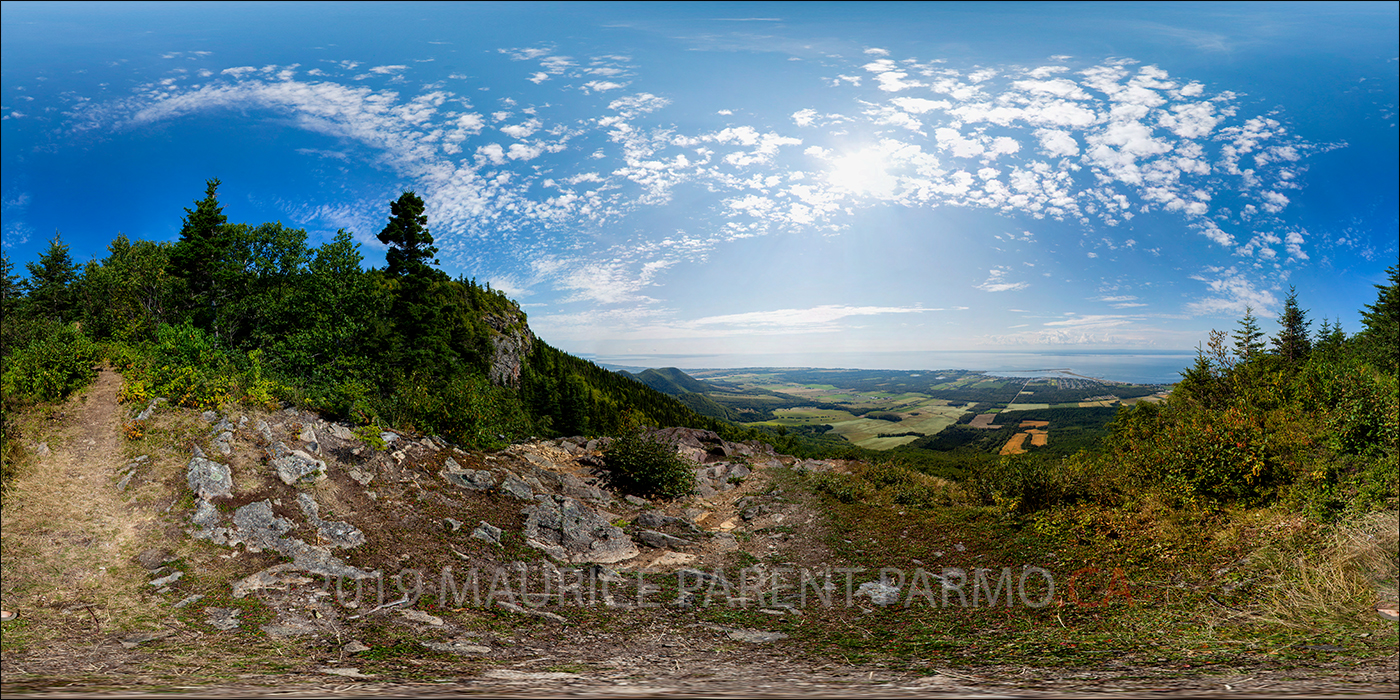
{"x":511,"y":344}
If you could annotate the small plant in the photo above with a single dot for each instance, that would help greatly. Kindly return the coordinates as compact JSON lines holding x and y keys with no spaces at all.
{"x":370,"y":435}
{"x":135,"y":430}
{"x":639,"y":464}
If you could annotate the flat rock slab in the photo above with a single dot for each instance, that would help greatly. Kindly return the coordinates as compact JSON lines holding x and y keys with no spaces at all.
{"x":756,"y":636}
{"x":569,"y":531}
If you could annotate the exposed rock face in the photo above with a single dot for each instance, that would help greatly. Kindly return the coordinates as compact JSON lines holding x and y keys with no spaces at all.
{"x":572,"y":532}
{"x":209,"y":479}
{"x":295,"y":466}
{"x":511,"y":345}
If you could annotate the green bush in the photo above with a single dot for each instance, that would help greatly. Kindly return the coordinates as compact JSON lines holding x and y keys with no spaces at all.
{"x":53,"y":367}
{"x":640,"y":464}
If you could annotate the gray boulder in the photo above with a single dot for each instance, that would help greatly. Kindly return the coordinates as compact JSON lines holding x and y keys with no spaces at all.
{"x":517,"y":487}
{"x":487,"y":532}
{"x":209,"y":479}
{"x":572,"y":532}
{"x":333,"y":532}
{"x":470,"y":479}
{"x":296,"y":467}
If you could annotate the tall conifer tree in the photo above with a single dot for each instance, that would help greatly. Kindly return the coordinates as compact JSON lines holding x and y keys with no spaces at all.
{"x":197,"y":255}
{"x":1249,"y":340}
{"x":50,"y":283}
{"x":1292,"y":343}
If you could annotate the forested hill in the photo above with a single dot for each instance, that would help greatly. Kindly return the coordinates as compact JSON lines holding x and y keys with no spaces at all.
{"x":253,"y":313}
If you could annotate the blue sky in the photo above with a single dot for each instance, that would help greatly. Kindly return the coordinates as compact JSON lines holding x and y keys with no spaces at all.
{"x":748,"y":181}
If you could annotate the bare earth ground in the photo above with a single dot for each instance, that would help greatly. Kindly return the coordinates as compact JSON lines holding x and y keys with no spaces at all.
{"x":70,"y":536}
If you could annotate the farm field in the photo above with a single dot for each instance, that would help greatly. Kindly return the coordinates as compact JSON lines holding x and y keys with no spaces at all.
{"x":927,"y":418}
{"x":925,"y":402}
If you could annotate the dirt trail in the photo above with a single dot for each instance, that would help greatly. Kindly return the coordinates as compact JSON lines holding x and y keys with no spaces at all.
{"x":67,"y":532}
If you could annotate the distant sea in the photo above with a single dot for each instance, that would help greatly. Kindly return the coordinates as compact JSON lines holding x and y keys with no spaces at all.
{"x":1133,"y":366}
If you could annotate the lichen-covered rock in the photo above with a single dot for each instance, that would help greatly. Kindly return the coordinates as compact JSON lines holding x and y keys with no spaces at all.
{"x":571,"y":532}
{"x":296,"y":467}
{"x":209,"y":479}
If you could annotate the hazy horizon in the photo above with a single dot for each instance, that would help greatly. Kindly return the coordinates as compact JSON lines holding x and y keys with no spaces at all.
{"x":862,"y":182}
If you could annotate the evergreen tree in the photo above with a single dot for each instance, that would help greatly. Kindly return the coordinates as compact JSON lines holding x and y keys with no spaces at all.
{"x":50,"y":283}
{"x":422,"y":337}
{"x":411,"y":247}
{"x":1380,"y":341}
{"x":197,"y":255}
{"x":1292,"y":342}
{"x":1249,"y":340}
{"x":1330,"y":339}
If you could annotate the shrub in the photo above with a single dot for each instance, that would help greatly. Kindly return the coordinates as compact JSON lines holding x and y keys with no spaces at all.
{"x":51,"y":368}
{"x":640,"y":464}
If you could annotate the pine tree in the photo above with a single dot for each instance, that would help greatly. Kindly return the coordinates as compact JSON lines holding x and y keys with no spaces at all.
{"x":1380,"y":340}
{"x":423,"y":339}
{"x":411,"y":247}
{"x":1249,"y":340}
{"x":50,"y":283}
{"x":197,"y":255}
{"x":1292,"y":342}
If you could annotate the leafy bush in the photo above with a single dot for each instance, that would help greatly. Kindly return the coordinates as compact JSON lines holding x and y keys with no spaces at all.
{"x":640,"y":464}
{"x":53,"y":367}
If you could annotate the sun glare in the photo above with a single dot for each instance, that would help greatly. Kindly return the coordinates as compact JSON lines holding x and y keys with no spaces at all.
{"x":863,"y":172}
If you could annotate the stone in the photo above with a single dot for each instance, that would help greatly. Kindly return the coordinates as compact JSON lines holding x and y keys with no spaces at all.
{"x":360,"y":476}
{"x":506,"y":674}
{"x":755,"y":636}
{"x":341,"y":432}
{"x":653,"y":519}
{"x":542,"y":614}
{"x":334,"y":532}
{"x":487,"y":532}
{"x":879,"y":593}
{"x":223,"y":443}
{"x":355,"y":646}
{"x":308,"y":434}
{"x":458,"y":647}
{"x":515,"y":486}
{"x":346,"y":671}
{"x":209,"y":416}
{"x":167,"y":580}
{"x":42,"y":450}
{"x":264,"y":430}
{"x":151,"y":558}
{"x":471,"y":479}
{"x":451,"y":524}
{"x":661,"y":540}
{"x":258,"y":527}
{"x":636,"y":500}
{"x":222,"y":619}
{"x":420,"y":616}
{"x":189,"y":601}
{"x":150,"y":408}
{"x":209,"y":479}
{"x":296,"y":467}
{"x":569,"y":531}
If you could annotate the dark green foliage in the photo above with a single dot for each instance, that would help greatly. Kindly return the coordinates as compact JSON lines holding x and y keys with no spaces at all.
{"x":411,"y":247}
{"x":125,"y":297}
{"x":50,"y":284}
{"x":1380,"y":341}
{"x":638,"y":463}
{"x":197,"y":257}
{"x":51,"y":368}
{"x":1249,"y":340}
{"x":672,"y":381}
{"x":1292,"y":343}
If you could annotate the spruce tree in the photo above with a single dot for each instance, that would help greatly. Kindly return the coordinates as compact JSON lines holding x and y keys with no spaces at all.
{"x":50,"y":283}
{"x":1292,"y":343}
{"x":196,"y":257}
{"x":422,"y":339}
{"x":411,"y":247}
{"x":1249,"y":340}
{"x":1380,"y":341}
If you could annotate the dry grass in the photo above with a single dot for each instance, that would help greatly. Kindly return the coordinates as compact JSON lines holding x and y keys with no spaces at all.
{"x":1342,"y":584}
{"x":68,"y":536}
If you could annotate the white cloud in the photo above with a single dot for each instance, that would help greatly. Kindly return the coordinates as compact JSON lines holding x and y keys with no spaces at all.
{"x":996,"y":281}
